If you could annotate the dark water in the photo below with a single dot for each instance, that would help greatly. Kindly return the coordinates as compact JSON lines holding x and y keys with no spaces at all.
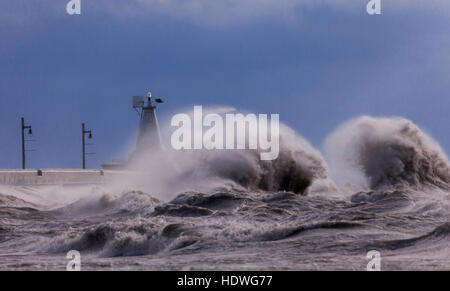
{"x":229,"y":229}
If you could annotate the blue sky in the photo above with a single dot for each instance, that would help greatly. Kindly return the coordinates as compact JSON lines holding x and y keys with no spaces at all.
{"x":316,"y":63}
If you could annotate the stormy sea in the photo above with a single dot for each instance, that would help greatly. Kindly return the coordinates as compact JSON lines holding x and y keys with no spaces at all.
{"x":378,"y":184}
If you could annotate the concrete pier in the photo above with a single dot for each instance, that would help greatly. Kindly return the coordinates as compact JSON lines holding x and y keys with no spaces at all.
{"x":55,"y":176}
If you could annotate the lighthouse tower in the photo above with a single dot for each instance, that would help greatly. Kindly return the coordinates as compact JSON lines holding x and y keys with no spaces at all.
{"x":149,"y":136}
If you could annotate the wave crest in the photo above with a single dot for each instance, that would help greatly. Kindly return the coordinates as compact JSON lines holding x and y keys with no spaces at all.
{"x":296,"y":168}
{"x":388,"y":152}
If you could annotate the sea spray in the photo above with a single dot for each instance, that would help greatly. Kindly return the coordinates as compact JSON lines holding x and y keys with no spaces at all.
{"x":386,"y":152}
{"x":296,"y":168}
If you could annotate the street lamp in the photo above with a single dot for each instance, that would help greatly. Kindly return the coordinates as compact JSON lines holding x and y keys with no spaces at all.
{"x":83,"y":142}
{"x":30,"y":133}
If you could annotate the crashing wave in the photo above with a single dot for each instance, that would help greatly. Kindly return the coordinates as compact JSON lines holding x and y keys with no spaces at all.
{"x":296,"y":168}
{"x":388,"y":152}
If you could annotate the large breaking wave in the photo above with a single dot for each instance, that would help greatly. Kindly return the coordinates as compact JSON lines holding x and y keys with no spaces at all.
{"x":296,"y":168}
{"x":388,"y":152}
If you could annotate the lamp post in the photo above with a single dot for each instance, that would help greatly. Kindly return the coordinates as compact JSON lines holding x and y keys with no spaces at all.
{"x":30,"y":132}
{"x":83,"y":142}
